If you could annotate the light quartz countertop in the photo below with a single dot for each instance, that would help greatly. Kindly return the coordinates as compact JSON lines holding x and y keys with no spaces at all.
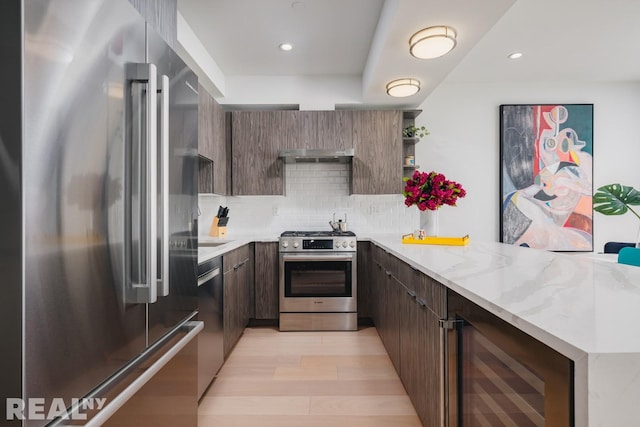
{"x":584,"y":306}
{"x":228,"y":244}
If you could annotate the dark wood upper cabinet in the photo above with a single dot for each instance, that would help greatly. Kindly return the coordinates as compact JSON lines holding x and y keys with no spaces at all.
{"x":327,"y":130}
{"x":258,"y":137}
{"x":335,"y":129}
{"x":212,"y":145}
{"x":307,"y":131}
{"x":162,"y":15}
{"x":206,"y":124}
{"x":377,"y":142}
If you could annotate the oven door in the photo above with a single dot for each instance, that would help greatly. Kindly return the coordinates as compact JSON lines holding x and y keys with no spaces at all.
{"x":318,"y":282}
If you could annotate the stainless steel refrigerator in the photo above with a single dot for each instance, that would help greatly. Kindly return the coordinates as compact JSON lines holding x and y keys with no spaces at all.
{"x":98,"y":206}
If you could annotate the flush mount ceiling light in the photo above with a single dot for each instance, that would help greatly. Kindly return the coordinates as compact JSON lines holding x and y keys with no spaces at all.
{"x":515,"y":55}
{"x":403,"y":87}
{"x":432,"y":42}
{"x":286,"y":47}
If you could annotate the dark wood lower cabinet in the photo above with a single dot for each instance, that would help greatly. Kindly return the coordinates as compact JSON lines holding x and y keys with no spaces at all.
{"x":365,"y":270}
{"x":237,"y":294}
{"x":394,"y":294}
{"x":403,"y":305}
{"x":266,"y":281}
{"x":492,"y":373}
{"x":428,"y":398}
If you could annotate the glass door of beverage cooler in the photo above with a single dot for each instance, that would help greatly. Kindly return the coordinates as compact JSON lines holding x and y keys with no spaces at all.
{"x":501,"y":376}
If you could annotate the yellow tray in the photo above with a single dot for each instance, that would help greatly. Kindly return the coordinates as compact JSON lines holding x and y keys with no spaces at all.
{"x":437,"y":240}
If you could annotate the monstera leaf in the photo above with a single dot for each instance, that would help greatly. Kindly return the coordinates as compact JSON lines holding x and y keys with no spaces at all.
{"x":615,"y":199}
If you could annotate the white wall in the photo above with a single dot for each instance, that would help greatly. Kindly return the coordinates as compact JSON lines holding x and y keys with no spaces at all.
{"x":464,"y":145}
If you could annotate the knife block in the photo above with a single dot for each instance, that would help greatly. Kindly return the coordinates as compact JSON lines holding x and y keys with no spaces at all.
{"x":217,"y":231}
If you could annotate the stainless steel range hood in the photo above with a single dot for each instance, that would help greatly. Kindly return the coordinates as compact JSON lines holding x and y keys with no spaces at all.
{"x":309,"y":155}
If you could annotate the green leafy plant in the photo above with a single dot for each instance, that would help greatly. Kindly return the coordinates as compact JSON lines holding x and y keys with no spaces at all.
{"x":412,"y":131}
{"x":616,"y":199}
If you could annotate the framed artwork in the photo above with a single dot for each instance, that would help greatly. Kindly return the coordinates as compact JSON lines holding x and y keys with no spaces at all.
{"x":546,"y":176}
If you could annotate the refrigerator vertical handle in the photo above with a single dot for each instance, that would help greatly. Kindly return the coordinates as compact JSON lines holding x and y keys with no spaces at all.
{"x":141,"y":231}
{"x":163,"y":203}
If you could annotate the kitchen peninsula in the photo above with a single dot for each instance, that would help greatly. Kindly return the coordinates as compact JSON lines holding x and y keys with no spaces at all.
{"x":582,"y":307}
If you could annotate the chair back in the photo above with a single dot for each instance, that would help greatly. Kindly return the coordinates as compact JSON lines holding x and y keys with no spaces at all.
{"x":629,"y":256}
{"x":614,"y":247}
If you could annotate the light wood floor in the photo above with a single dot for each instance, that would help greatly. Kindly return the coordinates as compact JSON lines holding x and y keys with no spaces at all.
{"x":307,"y":379}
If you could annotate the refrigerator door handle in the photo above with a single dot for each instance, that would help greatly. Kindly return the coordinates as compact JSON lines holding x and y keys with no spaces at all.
{"x":192,"y":329}
{"x":163,"y":203}
{"x":141,"y":176}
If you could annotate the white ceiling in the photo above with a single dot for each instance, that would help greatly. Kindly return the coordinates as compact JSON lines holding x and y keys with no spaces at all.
{"x":587,"y":40}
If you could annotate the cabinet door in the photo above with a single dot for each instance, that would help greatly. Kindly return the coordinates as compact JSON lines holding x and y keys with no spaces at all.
{"x":206,"y":124}
{"x":410,"y":365}
{"x":220,"y":155}
{"x":427,"y":396}
{"x":162,"y":16}
{"x":230,"y":301}
{"x":307,"y":129}
{"x":335,"y":129}
{"x":246,"y":269}
{"x":365,"y":270}
{"x":377,"y":142}
{"x":212,"y":145}
{"x":266,"y":281}
{"x":233,"y":300}
{"x":393,"y":294}
{"x":257,"y":138}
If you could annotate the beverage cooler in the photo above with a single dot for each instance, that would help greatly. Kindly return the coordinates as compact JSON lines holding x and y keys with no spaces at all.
{"x":499,"y":376}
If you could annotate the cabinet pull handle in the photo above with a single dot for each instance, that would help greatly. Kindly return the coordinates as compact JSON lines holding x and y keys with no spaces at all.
{"x":411,"y":293}
{"x":421,"y":302}
{"x":387,"y":272}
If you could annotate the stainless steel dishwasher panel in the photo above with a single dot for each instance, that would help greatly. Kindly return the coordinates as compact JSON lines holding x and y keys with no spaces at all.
{"x":210,"y":305}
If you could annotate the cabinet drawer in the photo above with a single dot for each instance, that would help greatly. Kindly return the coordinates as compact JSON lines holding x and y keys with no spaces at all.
{"x":433,"y":293}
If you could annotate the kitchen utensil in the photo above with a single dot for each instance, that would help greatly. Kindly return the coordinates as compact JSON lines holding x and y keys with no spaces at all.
{"x":343,"y":226}
{"x":334,"y":225}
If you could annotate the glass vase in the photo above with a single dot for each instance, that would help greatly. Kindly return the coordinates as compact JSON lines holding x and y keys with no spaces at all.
{"x":429,"y":222}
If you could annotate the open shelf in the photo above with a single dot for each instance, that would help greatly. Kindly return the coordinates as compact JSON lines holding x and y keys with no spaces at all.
{"x":410,"y":140}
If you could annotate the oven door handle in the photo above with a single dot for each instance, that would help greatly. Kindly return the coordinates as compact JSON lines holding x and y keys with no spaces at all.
{"x":323,"y":257}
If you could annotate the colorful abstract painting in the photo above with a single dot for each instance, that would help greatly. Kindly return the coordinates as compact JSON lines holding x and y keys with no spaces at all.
{"x":546,"y":156}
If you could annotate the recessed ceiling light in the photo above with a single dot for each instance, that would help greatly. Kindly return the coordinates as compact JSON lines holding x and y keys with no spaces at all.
{"x":515,"y":55}
{"x":286,"y":47}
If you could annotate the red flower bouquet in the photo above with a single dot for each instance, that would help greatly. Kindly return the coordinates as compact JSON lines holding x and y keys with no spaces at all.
{"x":431,"y":190}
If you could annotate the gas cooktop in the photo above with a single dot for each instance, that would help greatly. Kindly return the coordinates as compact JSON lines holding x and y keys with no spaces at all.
{"x":318,"y":234}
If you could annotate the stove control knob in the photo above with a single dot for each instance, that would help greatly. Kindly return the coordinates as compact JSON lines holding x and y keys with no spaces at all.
{"x":337,"y":244}
{"x":344,"y":244}
{"x":296,"y":244}
{"x":285,"y":244}
{"x":352,"y":244}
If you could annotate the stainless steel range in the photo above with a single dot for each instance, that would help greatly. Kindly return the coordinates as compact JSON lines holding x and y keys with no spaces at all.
{"x":318,"y":286}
